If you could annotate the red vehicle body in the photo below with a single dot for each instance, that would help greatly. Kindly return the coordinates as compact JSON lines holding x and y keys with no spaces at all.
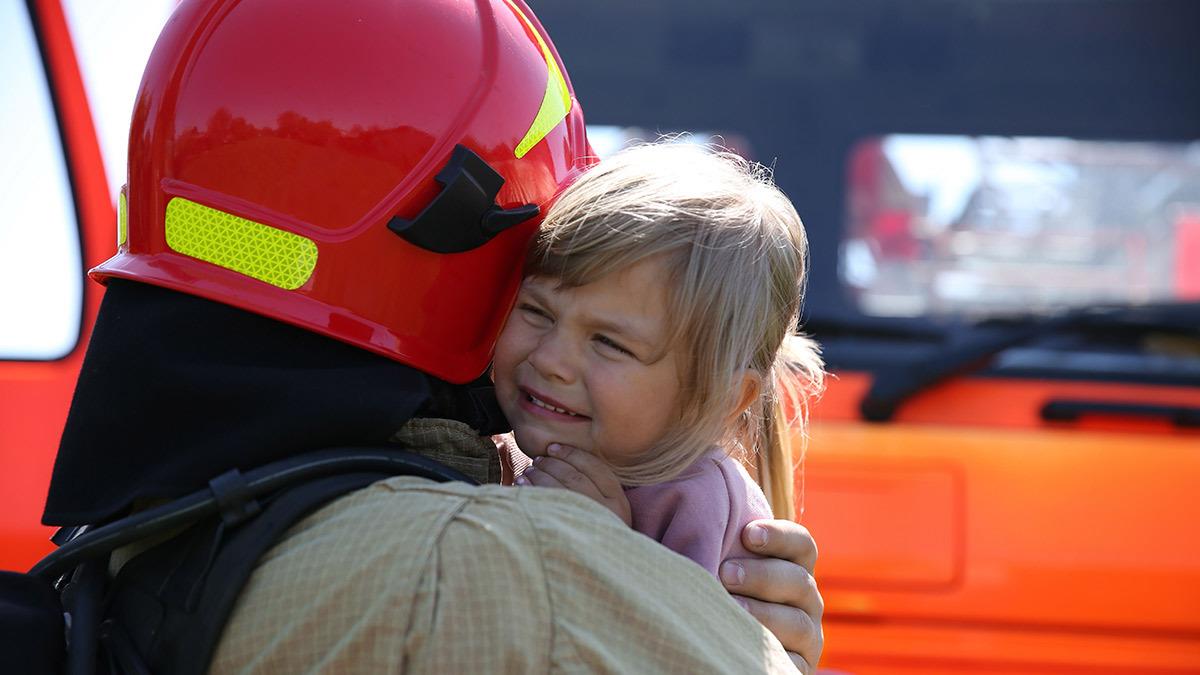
{"x":35,"y":395}
{"x":995,"y":519}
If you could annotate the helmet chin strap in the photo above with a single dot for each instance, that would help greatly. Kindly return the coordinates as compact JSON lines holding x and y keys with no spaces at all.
{"x":464,"y":215}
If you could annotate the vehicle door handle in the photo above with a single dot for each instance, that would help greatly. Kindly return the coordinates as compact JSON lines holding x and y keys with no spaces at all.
{"x":1064,"y":410}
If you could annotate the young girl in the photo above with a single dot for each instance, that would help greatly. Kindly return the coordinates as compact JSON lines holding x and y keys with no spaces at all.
{"x":651,"y":352}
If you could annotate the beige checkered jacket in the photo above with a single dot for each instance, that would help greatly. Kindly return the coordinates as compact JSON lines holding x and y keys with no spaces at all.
{"x":412,"y":576}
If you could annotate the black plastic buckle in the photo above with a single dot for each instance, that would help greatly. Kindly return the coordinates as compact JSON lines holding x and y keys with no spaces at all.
{"x":232,"y":493}
{"x":464,"y":215}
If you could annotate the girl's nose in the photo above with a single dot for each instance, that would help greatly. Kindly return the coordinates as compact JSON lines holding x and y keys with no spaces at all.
{"x":553,"y":358}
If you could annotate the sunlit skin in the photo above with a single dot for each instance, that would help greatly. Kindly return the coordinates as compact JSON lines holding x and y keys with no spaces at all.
{"x":589,"y":367}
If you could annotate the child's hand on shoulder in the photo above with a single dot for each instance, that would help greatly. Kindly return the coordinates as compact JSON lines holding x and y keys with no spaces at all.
{"x":579,"y":471}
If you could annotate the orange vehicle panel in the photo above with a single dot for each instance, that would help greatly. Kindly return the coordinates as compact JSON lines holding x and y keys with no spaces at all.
{"x":1046,"y":549}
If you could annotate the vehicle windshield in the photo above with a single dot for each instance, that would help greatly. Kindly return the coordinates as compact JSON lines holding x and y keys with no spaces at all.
{"x":988,"y":226}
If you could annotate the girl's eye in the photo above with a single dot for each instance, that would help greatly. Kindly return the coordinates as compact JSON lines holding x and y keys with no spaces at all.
{"x":534,"y":314}
{"x":610,"y":344}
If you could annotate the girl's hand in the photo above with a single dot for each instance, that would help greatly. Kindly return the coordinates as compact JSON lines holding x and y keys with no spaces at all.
{"x":582,"y":472}
{"x":779,"y":590}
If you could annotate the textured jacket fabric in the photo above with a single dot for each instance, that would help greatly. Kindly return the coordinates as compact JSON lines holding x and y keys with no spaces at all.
{"x":413,"y":576}
{"x":701,"y":513}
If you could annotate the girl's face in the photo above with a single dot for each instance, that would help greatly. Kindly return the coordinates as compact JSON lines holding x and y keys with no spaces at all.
{"x":590,"y":366}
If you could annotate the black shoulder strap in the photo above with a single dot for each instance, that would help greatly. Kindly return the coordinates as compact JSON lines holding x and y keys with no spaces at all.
{"x":166,"y":610}
{"x":170,"y":606}
{"x":31,"y":625}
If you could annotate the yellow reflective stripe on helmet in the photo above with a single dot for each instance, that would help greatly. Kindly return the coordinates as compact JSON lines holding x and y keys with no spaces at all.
{"x":260,"y":251}
{"x":556,"y":103}
{"x":122,"y":219}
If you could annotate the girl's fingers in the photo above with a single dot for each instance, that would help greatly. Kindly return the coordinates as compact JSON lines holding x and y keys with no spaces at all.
{"x":581,"y":472}
{"x":596,"y":469}
{"x":539,"y":479}
{"x":571,"y":478}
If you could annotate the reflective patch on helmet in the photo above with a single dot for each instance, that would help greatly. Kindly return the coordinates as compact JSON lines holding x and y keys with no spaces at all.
{"x":556,"y":102}
{"x":260,"y":251}
{"x":122,"y":219}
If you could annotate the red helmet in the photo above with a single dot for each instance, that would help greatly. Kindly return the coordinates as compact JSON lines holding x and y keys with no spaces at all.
{"x":365,"y":169}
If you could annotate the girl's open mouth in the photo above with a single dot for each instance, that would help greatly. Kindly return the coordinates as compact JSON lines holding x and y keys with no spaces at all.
{"x":549,"y":406}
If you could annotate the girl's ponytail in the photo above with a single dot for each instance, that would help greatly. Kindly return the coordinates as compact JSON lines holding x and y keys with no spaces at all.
{"x":797,"y":377}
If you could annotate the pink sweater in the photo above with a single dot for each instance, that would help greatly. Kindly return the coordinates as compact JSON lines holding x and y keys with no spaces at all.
{"x":701,"y":513}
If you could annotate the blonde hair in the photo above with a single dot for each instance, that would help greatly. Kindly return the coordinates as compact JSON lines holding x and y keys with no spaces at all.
{"x":736,"y":255}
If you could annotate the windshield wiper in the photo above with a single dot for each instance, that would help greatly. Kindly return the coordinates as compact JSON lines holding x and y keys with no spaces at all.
{"x":895,"y":384}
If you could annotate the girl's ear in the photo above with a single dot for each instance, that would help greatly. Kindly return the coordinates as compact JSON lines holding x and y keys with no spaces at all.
{"x":751,"y":389}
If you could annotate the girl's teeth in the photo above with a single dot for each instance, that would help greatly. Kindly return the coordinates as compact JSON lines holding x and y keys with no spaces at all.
{"x":542,"y":404}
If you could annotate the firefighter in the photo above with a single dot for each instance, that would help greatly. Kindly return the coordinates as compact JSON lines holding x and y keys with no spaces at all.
{"x":321,"y":234}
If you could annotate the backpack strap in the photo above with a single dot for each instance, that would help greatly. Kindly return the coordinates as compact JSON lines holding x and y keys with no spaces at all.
{"x":258,"y":483}
{"x":170,"y":605}
{"x":31,"y":625}
{"x":167,"y":608}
